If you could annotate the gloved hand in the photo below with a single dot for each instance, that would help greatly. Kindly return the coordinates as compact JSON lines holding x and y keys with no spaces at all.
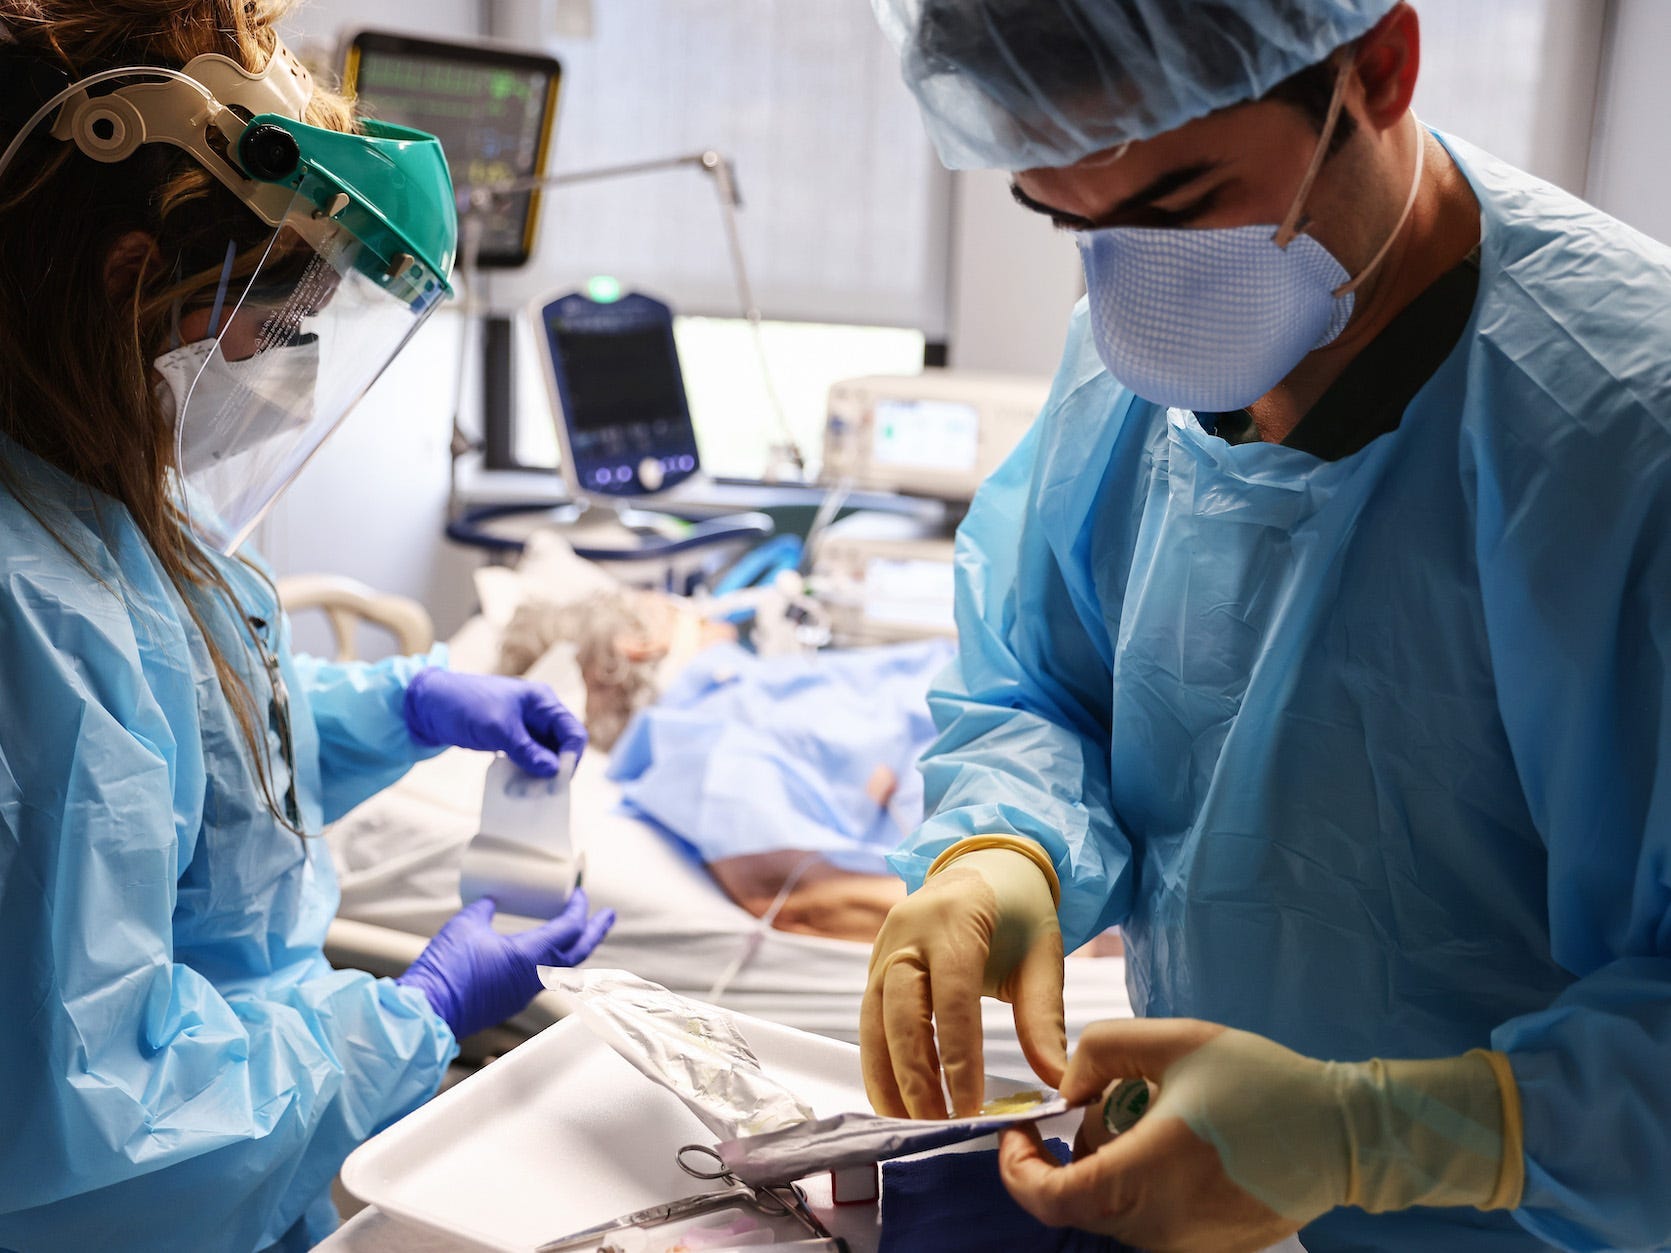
{"x":1246,"y":1142}
{"x":984,"y":921}
{"x":524,"y":720}
{"x":475,"y":978}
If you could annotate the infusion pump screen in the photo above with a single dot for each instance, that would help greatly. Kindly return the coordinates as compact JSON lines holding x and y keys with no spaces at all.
{"x":927,"y":434}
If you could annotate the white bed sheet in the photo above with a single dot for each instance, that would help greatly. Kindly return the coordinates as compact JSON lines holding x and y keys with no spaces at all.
{"x":398,"y":859}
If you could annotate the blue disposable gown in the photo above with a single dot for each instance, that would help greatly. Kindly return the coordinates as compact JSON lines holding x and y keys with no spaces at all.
{"x":1372,"y":757}
{"x":179,"y":1066}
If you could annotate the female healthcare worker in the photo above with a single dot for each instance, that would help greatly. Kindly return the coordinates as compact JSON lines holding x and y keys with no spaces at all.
{"x":1319,"y":635}
{"x":204,"y":262}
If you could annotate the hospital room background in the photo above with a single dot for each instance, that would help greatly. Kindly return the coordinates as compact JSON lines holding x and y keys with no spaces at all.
{"x":847,"y":222}
{"x":858,"y":336}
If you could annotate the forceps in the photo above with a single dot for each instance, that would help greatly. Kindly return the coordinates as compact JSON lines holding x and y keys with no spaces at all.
{"x":778,"y":1202}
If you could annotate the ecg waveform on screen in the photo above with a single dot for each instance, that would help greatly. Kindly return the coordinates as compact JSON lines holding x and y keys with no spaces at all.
{"x":488,"y":119}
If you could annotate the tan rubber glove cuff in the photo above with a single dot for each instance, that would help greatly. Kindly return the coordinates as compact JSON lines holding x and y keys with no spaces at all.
{"x":1304,"y":1136}
{"x":1030,"y":849}
{"x":1440,"y":1132}
{"x":1511,"y":1182}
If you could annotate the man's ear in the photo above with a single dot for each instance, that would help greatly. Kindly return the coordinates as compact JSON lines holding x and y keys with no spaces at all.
{"x":1388,"y":61}
{"x":124,"y":261}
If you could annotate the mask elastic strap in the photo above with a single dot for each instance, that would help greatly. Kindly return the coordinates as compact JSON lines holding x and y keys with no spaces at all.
{"x":1111,"y":156}
{"x":1346,"y":289}
{"x":1291,"y":224}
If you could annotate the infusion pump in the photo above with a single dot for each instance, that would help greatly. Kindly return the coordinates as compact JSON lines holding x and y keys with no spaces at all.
{"x":939,"y":433}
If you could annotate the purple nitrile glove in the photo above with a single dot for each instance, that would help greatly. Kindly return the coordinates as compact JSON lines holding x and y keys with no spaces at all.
{"x":523,"y":720}
{"x":475,"y":978}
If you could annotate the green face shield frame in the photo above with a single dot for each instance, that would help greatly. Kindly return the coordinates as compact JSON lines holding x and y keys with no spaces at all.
{"x":388,"y":187}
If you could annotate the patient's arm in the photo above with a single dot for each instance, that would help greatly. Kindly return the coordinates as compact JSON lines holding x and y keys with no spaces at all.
{"x":831,"y":902}
{"x":824,"y":900}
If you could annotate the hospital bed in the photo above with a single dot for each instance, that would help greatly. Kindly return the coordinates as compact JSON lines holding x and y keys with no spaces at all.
{"x":398,"y":858}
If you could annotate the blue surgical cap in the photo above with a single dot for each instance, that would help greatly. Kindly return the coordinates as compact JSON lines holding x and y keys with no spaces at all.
{"x":1019,"y":84}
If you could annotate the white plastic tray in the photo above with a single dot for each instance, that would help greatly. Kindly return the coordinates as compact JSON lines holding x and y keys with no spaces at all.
{"x":560,"y":1134}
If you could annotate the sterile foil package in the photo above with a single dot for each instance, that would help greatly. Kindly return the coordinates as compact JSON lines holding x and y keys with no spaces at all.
{"x":857,"y":1139}
{"x":693,"y":1050}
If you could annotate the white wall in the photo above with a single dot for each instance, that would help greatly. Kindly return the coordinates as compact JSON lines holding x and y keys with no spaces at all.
{"x":1015,"y":279}
{"x":372,"y":504}
{"x":1629,"y":175}
{"x":318,"y":26}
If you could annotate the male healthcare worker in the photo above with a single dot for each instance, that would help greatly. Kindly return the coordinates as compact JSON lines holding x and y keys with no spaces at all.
{"x":1319,"y":635}
{"x":180,"y":1068}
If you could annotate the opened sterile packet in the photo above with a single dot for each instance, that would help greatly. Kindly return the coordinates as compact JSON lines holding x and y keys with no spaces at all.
{"x":693,"y":1050}
{"x":768,"y":1134}
{"x":861,"y":1139}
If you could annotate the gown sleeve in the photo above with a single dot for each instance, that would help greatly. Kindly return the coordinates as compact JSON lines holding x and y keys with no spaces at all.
{"x":1022,"y":711}
{"x":1578,"y":607}
{"x":364,"y":743}
{"x":158,"y":1111}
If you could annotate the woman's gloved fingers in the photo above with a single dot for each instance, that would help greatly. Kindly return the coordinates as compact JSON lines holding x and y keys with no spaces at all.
{"x":557,"y":932}
{"x":553,"y":724}
{"x":478,"y":913}
{"x":596,"y":928}
{"x":525,"y":720}
{"x":1040,"y":1020}
{"x":532,"y":756}
{"x":569,"y":938}
{"x":907,"y":1013}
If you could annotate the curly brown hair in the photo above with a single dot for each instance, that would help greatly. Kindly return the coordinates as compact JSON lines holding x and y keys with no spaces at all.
{"x":77,"y":337}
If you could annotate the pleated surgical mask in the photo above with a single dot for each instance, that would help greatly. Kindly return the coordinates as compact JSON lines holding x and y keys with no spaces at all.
{"x":1211,"y":320}
{"x":236,"y":405}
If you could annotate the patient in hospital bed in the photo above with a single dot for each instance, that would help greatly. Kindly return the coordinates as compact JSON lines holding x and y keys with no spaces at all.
{"x":738,"y":791}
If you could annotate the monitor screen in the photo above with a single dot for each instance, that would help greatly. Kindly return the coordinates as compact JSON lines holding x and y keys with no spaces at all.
{"x":927,"y":435}
{"x":619,"y":378}
{"x":618,"y":394}
{"x":491,"y":108}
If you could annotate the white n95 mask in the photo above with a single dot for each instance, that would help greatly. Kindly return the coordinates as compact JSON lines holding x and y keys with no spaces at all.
{"x":1211,"y":320}
{"x":1208,"y":320}
{"x":237,"y":405}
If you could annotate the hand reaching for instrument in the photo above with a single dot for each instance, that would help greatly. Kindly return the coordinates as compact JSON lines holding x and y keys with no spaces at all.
{"x":984,"y":921}
{"x":1246,"y":1141}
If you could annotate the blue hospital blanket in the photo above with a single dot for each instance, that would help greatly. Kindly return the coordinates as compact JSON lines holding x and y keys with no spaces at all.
{"x":745,"y":754}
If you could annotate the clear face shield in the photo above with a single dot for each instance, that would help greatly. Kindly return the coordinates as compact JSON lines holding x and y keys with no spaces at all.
{"x":256,"y":390}
{"x":270,"y":360}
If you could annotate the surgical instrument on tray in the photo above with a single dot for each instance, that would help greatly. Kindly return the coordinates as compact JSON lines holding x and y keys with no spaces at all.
{"x":775,"y":1202}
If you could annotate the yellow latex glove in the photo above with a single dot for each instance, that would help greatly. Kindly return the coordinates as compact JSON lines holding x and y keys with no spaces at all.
{"x":984,"y":921}
{"x":1246,"y":1141}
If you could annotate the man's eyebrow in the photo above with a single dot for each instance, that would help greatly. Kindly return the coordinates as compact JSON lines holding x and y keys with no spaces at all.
{"x":1158,"y":189}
